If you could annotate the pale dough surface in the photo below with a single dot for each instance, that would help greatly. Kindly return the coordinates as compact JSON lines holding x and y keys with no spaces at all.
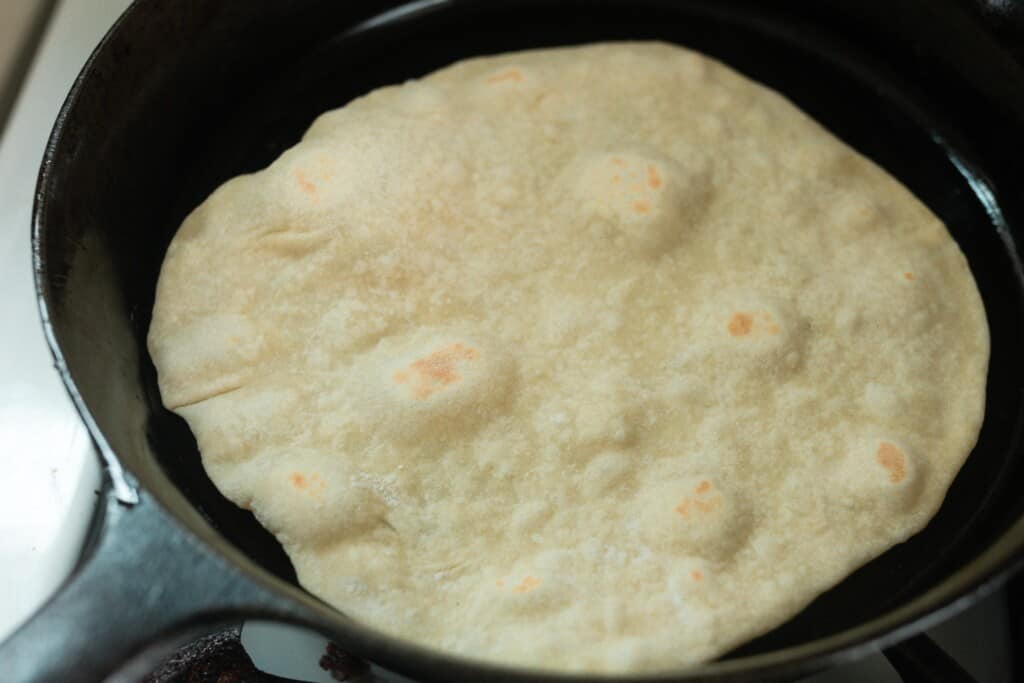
{"x":600,"y":358}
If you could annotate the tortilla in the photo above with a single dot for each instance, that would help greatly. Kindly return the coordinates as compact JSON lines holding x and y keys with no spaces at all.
{"x":602,"y":358}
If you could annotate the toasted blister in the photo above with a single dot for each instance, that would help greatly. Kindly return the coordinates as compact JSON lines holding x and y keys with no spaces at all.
{"x":305,"y":498}
{"x":693,"y":516}
{"x":881,"y":474}
{"x":761,"y":324}
{"x":599,"y":359}
{"x":744,"y":340}
{"x":536,"y":584}
{"x":691,"y":586}
{"x":437,"y":382}
{"x":653,"y":202}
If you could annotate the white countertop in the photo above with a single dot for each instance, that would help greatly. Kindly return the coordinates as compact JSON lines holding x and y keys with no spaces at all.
{"x":51,"y":471}
{"x":18,"y":22}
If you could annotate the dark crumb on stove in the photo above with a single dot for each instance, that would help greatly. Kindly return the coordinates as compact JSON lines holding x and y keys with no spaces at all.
{"x":218,"y":658}
{"x":341,"y":665}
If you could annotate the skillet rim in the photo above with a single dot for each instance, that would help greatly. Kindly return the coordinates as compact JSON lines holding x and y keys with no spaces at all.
{"x":982,"y":575}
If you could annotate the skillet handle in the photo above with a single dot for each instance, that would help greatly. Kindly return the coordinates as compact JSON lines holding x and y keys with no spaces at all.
{"x":144,"y":586}
{"x":919,"y":660}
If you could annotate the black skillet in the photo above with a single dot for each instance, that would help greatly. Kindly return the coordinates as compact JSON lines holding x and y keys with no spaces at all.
{"x":181,"y":96}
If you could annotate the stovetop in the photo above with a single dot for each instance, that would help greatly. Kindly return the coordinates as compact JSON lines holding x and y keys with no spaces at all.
{"x":51,"y":471}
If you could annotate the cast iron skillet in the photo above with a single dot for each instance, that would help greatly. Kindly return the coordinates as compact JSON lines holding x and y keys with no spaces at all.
{"x":181,"y":96}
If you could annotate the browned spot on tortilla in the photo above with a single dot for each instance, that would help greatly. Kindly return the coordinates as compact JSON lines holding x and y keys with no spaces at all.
{"x":432,"y":373}
{"x":700,"y":504}
{"x":527,"y":584}
{"x":653,"y":179}
{"x":697,"y":575}
{"x":314,"y":483}
{"x":616,"y":178}
{"x":509,"y":75}
{"x":908,"y":275}
{"x":892,"y":459}
{"x":705,"y":505}
{"x":769,"y":323}
{"x":641,"y":206}
{"x":618,"y":161}
{"x":500,"y":583}
{"x":304,"y":182}
{"x":741,"y":324}
{"x":703,"y":487}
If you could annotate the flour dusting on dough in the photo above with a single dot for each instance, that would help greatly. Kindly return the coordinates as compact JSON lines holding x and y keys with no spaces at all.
{"x":594,"y":359}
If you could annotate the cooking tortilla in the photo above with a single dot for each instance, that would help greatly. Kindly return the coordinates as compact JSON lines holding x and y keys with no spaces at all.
{"x":602,"y":358}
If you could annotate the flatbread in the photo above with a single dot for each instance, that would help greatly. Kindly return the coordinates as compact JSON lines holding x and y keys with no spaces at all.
{"x":601,"y":358}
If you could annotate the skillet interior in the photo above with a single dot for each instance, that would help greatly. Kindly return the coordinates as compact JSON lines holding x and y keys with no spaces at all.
{"x":170,"y":143}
